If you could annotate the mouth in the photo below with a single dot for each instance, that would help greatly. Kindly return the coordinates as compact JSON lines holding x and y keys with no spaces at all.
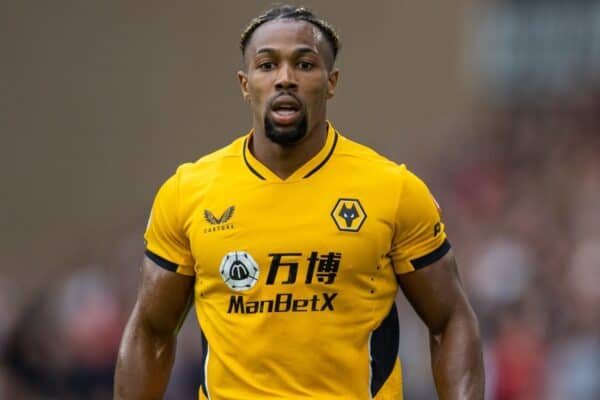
{"x":285,"y":110}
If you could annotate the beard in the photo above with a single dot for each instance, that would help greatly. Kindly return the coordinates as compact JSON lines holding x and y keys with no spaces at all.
{"x":286,"y":138}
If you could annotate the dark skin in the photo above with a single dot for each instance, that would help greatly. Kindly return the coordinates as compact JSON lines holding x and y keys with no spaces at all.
{"x":288,"y":56}
{"x":293,"y":56}
{"x":148,"y":345}
{"x":437,"y":295}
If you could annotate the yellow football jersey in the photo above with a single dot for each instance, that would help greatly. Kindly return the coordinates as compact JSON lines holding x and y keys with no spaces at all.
{"x":295,"y":279}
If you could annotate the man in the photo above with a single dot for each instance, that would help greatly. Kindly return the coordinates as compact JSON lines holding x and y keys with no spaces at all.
{"x":292,"y":242}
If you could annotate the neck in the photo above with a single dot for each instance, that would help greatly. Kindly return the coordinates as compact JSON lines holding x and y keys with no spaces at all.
{"x":284,"y":160}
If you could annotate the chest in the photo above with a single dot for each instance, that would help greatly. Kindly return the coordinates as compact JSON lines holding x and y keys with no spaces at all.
{"x":261,"y":238}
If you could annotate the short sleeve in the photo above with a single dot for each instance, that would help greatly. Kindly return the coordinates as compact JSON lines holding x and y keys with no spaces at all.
{"x":419,"y":238}
{"x":166,"y":242}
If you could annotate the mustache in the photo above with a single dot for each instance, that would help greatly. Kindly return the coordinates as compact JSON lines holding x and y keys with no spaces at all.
{"x":284,"y":93}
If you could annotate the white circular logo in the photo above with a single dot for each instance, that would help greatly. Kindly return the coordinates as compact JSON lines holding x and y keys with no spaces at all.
{"x":239,"y":270}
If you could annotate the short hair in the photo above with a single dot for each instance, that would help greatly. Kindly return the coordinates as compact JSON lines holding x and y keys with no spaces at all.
{"x":296,"y":14}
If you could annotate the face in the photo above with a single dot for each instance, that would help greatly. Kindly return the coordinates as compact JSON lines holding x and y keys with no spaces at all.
{"x":288,"y":79}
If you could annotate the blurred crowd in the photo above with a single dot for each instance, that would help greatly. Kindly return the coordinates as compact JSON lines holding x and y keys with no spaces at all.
{"x":521,"y":203}
{"x":526,"y":215}
{"x":523,"y":213}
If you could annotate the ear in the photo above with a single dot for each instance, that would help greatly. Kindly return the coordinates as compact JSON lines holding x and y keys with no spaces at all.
{"x":243,"y":78}
{"x":332,"y":80}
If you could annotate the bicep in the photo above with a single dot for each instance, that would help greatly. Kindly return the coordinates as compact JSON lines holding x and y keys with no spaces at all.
{"x":163,"y":299}
{"x":435,"y":292}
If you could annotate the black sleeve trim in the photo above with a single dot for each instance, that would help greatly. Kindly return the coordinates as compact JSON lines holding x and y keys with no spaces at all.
{"x":432,"y":257}
{"x":161,"y":262}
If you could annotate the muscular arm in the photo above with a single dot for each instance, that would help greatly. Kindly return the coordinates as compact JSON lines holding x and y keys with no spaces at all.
{"x":437,"y":295}
{"x":148,"y":345}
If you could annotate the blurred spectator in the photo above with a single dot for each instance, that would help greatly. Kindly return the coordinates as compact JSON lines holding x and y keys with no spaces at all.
{"x":532,"y":266}
{"x":91,"y":323}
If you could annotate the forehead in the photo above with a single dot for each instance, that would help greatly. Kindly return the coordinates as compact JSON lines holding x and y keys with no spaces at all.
{"x":281,"y":33}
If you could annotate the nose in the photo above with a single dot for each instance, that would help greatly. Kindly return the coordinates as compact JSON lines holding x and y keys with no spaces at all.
{"x":286,"y":78}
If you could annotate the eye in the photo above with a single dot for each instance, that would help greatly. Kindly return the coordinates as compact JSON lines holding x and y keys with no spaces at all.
{"x":305,"y":65}
{"x":266,"y":66}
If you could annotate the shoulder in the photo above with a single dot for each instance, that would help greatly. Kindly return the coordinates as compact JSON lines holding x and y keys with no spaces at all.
{"x":378,"y":173}
{"x":352,"y":153}
{"x":211,"y":165}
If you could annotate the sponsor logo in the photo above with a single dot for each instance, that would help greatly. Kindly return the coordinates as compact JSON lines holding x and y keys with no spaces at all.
{"x":348,"y":215}
{"x":282,"y":302}
{"x":437,"y":228}
{"x":239,"y":270}
{"x":324,"y":266}
{"x":218,"y":224}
